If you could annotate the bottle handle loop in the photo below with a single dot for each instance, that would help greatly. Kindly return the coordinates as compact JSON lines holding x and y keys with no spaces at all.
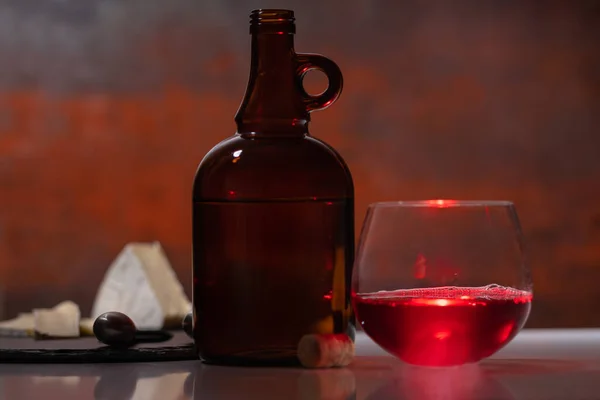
{"x":308,"y":62}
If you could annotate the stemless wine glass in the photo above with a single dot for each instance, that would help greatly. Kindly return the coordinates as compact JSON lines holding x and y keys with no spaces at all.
{"x":441,"y":282}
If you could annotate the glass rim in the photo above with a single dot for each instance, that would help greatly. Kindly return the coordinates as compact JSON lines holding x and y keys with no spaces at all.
{"x":443,"y":203}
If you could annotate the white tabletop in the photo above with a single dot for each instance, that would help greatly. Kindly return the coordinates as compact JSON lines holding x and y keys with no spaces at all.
{"x":538,"y":364}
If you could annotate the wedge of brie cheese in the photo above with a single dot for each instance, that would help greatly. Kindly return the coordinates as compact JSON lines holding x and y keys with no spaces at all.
{"x":142,"y":284}
{"x":24,"y":324}
{"x":21,"y":326}
{"x":61,"y":321}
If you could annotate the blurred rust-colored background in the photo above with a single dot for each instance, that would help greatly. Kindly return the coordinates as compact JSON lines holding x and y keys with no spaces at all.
{"x":106,"y":108}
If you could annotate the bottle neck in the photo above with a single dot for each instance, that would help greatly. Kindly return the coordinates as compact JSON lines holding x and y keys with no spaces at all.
{"x":272,"y":104}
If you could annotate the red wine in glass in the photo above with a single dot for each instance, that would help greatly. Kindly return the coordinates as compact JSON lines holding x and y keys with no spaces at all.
{"x":443,"y":326}
{"x":442,"y":282}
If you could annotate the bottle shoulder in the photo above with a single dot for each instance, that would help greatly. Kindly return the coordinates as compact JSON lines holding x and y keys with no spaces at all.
{"x":274,"y":167}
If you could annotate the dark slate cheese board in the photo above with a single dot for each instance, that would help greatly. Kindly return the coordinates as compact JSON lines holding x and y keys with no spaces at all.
{"x":89,"y":350}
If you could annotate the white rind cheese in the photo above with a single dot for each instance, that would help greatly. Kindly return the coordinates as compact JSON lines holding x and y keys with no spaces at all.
{"x":142,"y":284}
{"x":61,"y":321}
{"x":21,"y":326}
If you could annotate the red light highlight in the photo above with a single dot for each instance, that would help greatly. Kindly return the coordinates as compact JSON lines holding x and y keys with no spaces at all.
{"x":441,"y":203}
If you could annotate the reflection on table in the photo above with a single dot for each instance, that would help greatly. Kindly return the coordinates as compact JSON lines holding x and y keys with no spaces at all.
{"x":544,"y":365}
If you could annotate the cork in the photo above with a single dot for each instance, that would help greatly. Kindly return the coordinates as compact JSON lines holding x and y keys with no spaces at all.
{"x":325,"y":351}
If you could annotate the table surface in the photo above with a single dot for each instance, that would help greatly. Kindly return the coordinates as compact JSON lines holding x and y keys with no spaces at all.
{"x":537,"y":364}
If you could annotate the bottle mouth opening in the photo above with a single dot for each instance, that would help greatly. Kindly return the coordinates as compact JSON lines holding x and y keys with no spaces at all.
{"x":270,"y":15}
{"x":266,"y":20}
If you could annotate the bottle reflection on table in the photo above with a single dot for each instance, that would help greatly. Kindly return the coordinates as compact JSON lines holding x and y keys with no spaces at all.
{"x":215,"y":383}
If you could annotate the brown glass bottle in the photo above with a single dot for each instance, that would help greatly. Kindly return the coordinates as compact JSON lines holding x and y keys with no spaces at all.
{"x":273,"y":214}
